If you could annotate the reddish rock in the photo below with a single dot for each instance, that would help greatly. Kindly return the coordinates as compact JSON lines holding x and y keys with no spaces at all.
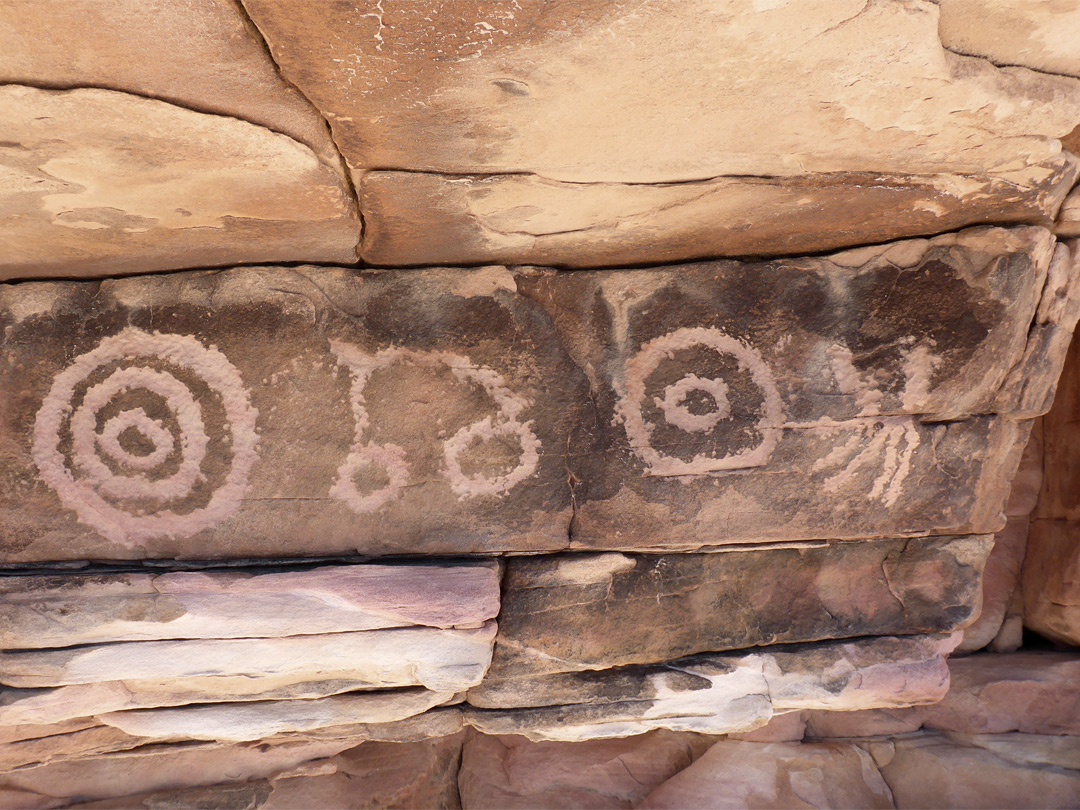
{"x":745,"y":774}
{"x":512,"y":772}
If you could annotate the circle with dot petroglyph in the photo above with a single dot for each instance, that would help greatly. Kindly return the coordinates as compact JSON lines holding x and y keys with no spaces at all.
{"x":675,"y":408}
{"x":101,"y":479}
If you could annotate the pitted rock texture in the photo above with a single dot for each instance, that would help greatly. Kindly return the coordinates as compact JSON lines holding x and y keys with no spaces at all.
{"x":287,"y":412}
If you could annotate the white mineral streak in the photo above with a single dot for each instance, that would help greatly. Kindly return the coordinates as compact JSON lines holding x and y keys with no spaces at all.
{"x":392,"y":458}
{"x":89,"y":487}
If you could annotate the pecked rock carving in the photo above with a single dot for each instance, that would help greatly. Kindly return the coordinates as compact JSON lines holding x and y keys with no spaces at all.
{"x":134,"y":475}
{"x":392,"y":458}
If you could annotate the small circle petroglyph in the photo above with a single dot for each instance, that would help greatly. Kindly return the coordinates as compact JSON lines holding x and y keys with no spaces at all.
{"x":100,"y":479}
{"x":391,"y":458}
{"x":674,"y":406}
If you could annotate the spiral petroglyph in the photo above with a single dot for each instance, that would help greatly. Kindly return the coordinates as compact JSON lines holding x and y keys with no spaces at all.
{"x":123,"y":437}
{"x":674,"y":408}
{"x":391,"y":459}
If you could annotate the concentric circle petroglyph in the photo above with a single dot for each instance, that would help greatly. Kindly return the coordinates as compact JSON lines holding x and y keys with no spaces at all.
{"x":131,"y":497}
{"x":676,"y":413}
{"x":506,"y":423}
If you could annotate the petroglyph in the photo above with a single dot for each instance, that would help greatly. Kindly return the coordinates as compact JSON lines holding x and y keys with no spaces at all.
{"x":123,"y":439}
{"x":674,"y":403}
{"x":504,"y":425}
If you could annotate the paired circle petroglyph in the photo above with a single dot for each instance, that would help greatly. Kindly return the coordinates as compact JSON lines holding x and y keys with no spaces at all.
{"x":391,"y":459}
{"x":133,"y":476}
{"x":674,"y":405}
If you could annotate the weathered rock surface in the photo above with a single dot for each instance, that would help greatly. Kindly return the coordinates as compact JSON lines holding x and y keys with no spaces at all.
{"x":741,"y":774}
{"x":886,"y":134}
{"x":61,"y":611}
{"x":561,"y":614}
{"x":202,"y":54}
{"x":98,"y":182}
{"x":716,"y":694}
{"x":931,"y":771}
{"x":326,"y":411}
{"x":1001,"y":576}
{"x":155,"y":768}
{"x":508,"y":772}
{"x":1068,"y":221}
{"x":442,"y":660}
{"x":1038,"y":35}
{"x":456,"y":411}
{"x":1030,"y":692}
{"x":1052,"y":580}
{"x":243,"y":722}
{"x":725,"y":416}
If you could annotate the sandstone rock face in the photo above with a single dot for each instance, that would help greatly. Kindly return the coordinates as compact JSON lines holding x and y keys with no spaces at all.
{"x":1051,"y":574}
{"x":1035,"y":693}
{"x":1014,"y":32}
{"x":421,"y":412}
{"x":102,"y":182}
{"x":463,"y":411}
{"x":740,"y":774}
{"x":1001,"y":577}
{"x":932,"y":771}
{"x":64,"y":611}
{"x":886,"y":133}
{"x":599,"y":611}
{"x":1052,"y":581}
{"x":716,"y":694}
{"x":203,"y":54}
{"x":512,"y":772}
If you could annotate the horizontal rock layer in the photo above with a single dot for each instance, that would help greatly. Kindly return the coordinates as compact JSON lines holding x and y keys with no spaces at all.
{"x":717,"y":694}
{"x":565,"y":614}
{"x":98,"y":182}
{"x":495,"y":150}
{"x":61,"y":611}
{"x":277,"y":412}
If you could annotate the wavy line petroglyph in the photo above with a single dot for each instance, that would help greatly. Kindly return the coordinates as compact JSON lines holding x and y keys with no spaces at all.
{"x":676,"y":413}
{"x":100,"y":480}
{"x":393,"y":458}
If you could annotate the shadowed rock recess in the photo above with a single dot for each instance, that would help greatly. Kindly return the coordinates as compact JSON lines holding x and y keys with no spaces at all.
{"x":578,"y":403}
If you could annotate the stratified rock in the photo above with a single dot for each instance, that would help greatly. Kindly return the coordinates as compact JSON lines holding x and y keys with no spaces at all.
{"x":283,"y":412}
{"x":373,"y":774}
{"x":201,"y":54}
{"x":507,"y":772}
{"x":60,"y":611}
{"x":787,"y":727}
{"x":471,"y":134}
{"x":1038,"y":35}
{"x":798,"y":399}
{"x":744,"y":774}
{"x":154,"y":768}
{"x":1060,"y":496}
{"x":105,"y":183}
{"x":716,"y":694}
{"x":1031,"y":692}
{"x":243,"y":722}
{"x":441,"y":660}
{"x":931,"y":771}
{"x":92,"y":741}
{"x":584,"y":612}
